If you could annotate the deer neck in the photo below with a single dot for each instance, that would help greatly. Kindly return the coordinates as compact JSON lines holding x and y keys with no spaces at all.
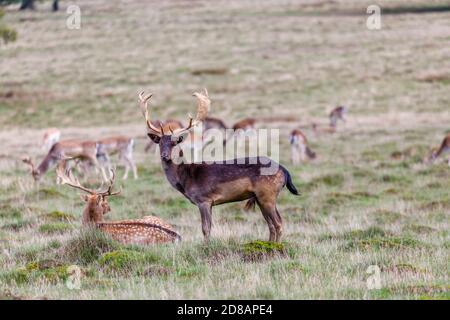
{"x":93,"y":213}
{"x":48,"y":161}
{"x":176,"y":174}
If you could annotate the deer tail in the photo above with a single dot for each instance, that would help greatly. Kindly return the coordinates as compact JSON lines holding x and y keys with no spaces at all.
{"x":250,"y":205}
{"x":289,"y":183}
{"x":311,"y":154}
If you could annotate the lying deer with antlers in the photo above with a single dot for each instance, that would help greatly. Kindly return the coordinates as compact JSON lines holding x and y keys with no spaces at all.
{"x":148,"y":230}
{"x":67,"y":149}
{"x":443,"y":148}
{"x":210,"y":184}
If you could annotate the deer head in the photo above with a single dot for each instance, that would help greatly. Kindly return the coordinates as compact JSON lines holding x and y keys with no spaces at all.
{"x":34,"y":172}
{"x":96,"y":200}
{"x":168,"y":140}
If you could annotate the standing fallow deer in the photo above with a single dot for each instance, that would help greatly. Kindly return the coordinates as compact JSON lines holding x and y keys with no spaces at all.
{"x":443,"y":148}
{"x":50,"y":137}
{"x":64,"y":149}
{"x":148,"y":230}
{"x":121,"y":145}
{"x":336,"y":114}
{"x":210,"y":184}
{"x":300,"y":150}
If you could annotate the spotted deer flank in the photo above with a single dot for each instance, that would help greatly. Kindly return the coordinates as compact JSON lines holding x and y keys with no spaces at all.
{"x":148,"y":230}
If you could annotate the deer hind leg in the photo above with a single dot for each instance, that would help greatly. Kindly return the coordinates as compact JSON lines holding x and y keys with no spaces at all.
{"x":127,"y":156}
{"x":269,"y":213}
{"x":205,"y":212}
{"x":98,"y":166}
{"x":266,"y":200}
{"x":130,"y":163}
{"x":104,"y":161}
{"x":64,"y":165}
{"x":294,"y":155}
{"x":302,"y":148}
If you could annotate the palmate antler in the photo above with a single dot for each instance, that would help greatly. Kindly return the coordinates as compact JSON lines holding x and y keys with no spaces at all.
{"x":203,"y":105}
{"x":143,"y":104}
{"x":70,"y":180}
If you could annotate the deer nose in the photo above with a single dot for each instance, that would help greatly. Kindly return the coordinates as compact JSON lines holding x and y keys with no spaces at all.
{"x":165,"y":156}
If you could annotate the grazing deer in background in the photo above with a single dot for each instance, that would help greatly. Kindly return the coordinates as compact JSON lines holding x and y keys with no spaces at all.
{"x":73,"y":149}
{"x":147,"y":230}
{"x":210,"y":184}
{"x":51,"y":136}
{"x":245,"y":124}
{"x":336,"y":114}
{"x":213,"y":123}
{"x":300,"y":150}
{"x":443,"y":148}
{"x":121,"y":145}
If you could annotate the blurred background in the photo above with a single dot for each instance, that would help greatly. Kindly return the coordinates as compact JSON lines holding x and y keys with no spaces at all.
{"x":257,"y":58}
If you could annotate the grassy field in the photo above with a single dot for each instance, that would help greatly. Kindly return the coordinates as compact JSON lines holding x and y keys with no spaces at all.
{"x":367,"y":199}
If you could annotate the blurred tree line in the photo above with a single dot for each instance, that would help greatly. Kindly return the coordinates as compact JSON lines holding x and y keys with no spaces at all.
{"x":7,"y":34}
{"x":29,"y":4}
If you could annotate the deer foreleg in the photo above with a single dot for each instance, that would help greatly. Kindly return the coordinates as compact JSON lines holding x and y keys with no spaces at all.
{"x":302,"y":152}
{"x":294,"y":155}
{"x":205,"y":212}
{"x":100,"y":167}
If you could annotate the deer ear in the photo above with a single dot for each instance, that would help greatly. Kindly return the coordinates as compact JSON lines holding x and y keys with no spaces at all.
{"x":155,"y":138}
{"x":182,"y":137}
{"x":84,"y":197}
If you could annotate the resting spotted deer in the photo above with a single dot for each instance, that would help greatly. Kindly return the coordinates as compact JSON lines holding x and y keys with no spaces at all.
{"x":121,"y":145}
{"x":64,"y":149}
{"x":210,"y":184}
{"x":148,"y":230}
{"x":443,"y":148}
{"x":300,"y":150}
